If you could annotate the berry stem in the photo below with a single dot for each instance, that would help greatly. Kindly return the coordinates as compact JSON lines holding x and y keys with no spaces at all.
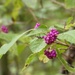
{"x":61,"y":43}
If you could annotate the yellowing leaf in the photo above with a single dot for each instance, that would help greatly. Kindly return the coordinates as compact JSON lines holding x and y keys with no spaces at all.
{"x":43,"y":58}
{"x":69,"y":26}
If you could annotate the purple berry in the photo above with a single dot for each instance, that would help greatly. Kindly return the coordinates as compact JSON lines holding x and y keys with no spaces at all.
{"x":54,"y":32}
{"x":50,"y":53}
{"x":37,"y":25}
{"x":4,"y":29}
{"x":51,"y":36}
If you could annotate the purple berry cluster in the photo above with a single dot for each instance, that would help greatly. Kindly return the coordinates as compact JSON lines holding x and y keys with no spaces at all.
{"x":37,"y":25}
{"x":4,"y":29}
{"x":51,"y":36}
{"x":50,"y":53}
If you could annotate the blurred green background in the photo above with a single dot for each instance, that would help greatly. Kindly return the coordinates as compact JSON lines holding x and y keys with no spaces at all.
{"x":21,"y":15}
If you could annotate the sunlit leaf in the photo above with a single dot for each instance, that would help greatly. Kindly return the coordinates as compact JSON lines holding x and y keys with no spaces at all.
{"x":69,"y":20}
{"x":69,"y":24}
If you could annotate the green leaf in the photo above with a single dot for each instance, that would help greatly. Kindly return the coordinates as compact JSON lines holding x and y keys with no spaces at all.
{"x":21,"y":47}
{"x":0,"y":56}
{"x":59,"y":27}
{"x":61,"y":48}
{"x":6,"y":47}
{"x":37,"y":45}
{"x":70,"y":69}
{"x":69,"y":20}
{"x":67,"y":27}
{"x":68,"y":23}
{"x":25,"y":39}
{"x":7,"y":37}
{"x":70,"y":3}
{"x":28,"y":61}
{"x":68,"y":36}
{"x":41,"y":30}
{"x":14,"y":50}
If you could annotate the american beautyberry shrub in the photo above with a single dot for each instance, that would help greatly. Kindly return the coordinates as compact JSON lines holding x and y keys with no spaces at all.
{"x":50,"y":53}
{"x":37,"y":25}
{"x":4,"y":29}
{"x":51,"y":36}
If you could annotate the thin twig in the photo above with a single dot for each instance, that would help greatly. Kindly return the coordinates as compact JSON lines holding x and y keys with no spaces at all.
{"x":41,"y":3}
{"x":58,"y":3}
{"x":62,"y":48}
{"x":67,"y":56}
{"x":32,"y":13}
{"x":61,"y":43}
{"x":62,"y":5}
{"x":35,"y":18}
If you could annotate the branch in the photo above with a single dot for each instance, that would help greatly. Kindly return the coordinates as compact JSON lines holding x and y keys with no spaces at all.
{"x":35,"y":18}
{"x":58,"y":3}
{"x":32,"y":13}
{"x":61,"y":43}
{"x":62,"y":5}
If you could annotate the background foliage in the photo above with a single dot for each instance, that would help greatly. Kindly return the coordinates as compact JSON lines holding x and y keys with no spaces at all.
{"x":22,"y":15}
